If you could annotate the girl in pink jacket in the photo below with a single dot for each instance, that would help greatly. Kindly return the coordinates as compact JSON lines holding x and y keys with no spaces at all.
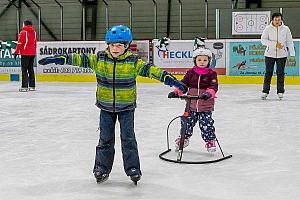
{"x":201,"y":81}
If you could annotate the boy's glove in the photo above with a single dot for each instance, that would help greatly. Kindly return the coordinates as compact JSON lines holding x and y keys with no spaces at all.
{"x":57,"y":59}
{"x":171,"y":81}
{"x":205,"y":96}
{"x":181,"y":86}
{"x":173,"y":95}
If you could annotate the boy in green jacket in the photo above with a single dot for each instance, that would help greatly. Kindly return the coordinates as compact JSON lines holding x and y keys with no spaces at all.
{"x":116,"y":70}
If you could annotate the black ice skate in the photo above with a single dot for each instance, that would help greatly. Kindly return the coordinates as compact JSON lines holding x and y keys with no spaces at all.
{"x":135,"y":178}
{"x":101,"y":177}
{"x":23,"y":89}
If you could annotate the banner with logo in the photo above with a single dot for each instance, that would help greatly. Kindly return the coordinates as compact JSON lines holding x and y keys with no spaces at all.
{"x":179,"y":55}
{"x":8,"y":65}
{"x":246,"y":58}
{"x":241,"y":57}
{"x":46,"y":49}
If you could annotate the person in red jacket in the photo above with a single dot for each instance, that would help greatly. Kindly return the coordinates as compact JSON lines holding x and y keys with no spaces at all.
{"x":201,"y":81}
{"x":26,"y":47}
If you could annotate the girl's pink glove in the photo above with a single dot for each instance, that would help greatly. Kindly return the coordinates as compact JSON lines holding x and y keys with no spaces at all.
{"x":212,"y":93}
{"x":178,"y":92}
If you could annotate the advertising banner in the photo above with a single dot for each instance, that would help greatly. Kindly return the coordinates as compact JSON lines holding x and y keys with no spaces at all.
{"x":141,"y":47}
{"x":178,"y":57}
{"x":46,"y":49}
{"x":246,"y":58}
{"x":8,"y":65}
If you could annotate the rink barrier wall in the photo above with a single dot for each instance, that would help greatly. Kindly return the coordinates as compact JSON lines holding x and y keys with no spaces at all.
{"x":231,"y":49}
{"x":223,"y":79}
{"x":5,"y":77}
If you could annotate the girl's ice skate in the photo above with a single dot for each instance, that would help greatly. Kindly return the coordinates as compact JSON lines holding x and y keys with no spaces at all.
{"x":211,"y":145}
{"x":177,"y":143}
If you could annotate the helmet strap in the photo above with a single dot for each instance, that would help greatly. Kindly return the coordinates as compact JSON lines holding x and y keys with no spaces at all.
{"x":126,"y":45}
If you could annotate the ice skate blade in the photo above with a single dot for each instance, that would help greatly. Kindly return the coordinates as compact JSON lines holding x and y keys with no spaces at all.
{"x":211,"y":150}
{"x":23,"y":90}
{"x":101,"y":180}
{"x":135,"y":179}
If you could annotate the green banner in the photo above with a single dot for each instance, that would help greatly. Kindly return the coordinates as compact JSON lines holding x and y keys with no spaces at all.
{"x":6,"y":55}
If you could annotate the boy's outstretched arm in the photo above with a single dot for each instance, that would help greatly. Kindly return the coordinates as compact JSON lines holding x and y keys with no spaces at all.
{"x":80,"y":60}
{"x":148,"y":70}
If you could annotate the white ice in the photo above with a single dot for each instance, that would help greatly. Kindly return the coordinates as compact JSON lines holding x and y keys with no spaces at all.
{"x":48,"y":139}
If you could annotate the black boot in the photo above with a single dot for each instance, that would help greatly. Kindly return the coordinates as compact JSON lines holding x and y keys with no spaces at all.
{"x":135,"y":178}
{"x":101,"y":177}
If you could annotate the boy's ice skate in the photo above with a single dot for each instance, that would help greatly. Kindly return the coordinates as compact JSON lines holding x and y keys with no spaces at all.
{"x":101,"y":177}
{"x":177,"y":143}
{"x":280,"y":96}
{"x":211,"y":145}
{"x":23,"y":89}
{"x":264,"y":96}
{"x":135,"y":178}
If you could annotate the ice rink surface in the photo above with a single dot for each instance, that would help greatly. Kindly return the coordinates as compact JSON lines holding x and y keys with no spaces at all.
{"x":48,"y":139}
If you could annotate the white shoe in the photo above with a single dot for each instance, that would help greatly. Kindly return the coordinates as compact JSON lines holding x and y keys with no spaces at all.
{"x":280,"y":96}
{"x":264,"y":96}
{"x":177,"y":143}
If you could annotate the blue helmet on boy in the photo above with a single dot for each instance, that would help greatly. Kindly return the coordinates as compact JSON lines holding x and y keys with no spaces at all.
{"x":118,"y":34}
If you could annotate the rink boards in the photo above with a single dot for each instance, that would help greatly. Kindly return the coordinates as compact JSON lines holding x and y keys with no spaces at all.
{"x":223,"y":79}
{"x":236,"y":61}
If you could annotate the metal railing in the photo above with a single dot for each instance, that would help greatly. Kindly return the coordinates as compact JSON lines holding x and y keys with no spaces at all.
{"x":106,"y":15}
{"x":61,"y":20}
{"x":155,"y":18}
{"x":219,"y":30}
{"x":83,"y":20}
{"x":39,"y":19}
{"x":130,"y":14}
{"x":180,"y":19}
